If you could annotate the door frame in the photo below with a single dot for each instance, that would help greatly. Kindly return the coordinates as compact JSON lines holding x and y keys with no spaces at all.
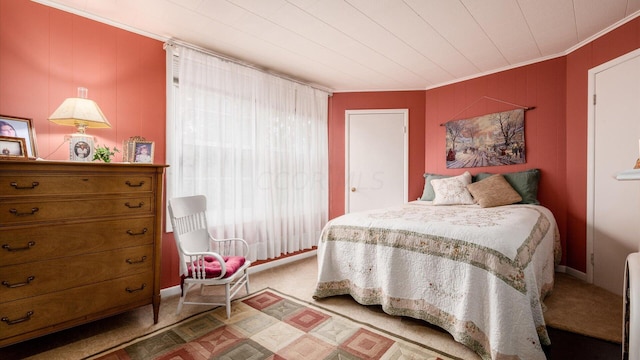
{"x":347,"y":166}
{"x":591,"y":138}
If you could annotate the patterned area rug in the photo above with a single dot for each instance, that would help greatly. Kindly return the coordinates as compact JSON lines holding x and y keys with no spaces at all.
{"x":271,"y":325}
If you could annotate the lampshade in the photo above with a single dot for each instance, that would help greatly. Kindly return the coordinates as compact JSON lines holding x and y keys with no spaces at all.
{"x":80,"y":112}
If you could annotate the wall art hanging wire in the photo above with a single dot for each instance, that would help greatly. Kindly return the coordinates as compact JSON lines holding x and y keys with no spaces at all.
{"x":487,"y":140}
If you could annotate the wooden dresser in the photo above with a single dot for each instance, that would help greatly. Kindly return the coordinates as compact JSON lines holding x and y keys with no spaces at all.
{"x":78,"y":242}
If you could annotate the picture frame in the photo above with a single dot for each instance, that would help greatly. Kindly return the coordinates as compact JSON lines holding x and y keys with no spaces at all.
{"x":22,"y":128}
{"x":13,"y":148}
{"x":81,"y":148}
{"x":143,"y":152}
{"x":128,"y":150}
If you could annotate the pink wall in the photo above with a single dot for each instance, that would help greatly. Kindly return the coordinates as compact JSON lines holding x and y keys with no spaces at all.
{"x":539,"y":85}
{"x":45,"y":54}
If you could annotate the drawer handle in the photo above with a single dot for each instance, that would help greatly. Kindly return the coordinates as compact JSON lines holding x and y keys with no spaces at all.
{"x":144,"y":231}
{"x":16,"y":321}
{"x":16,"y":213}
{"x":17,"y":187}
{"x":129,"y":261}
{"x":29,"y":245}
{"x":11,"y":286}
{"x":129,"y":290}
{"x":134,"y":185}
{"x":134,"y":206}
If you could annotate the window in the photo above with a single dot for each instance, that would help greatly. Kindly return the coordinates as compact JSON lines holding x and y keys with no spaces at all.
{"x":255,"y":144}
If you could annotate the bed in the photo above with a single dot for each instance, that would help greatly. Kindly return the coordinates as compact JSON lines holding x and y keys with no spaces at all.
{"x":479,"y":272}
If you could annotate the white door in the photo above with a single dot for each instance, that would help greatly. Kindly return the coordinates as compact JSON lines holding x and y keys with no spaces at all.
{"x":614,"y":147}
{"x":376,"y":158}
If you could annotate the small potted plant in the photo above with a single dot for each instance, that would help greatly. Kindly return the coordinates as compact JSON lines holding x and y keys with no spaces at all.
{"x":104,"y":154}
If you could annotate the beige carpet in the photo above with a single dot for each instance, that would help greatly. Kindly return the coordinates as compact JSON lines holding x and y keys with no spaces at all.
{"x":584,"y":308}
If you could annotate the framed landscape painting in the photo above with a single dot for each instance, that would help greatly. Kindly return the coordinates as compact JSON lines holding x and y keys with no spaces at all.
{"x":488,"y":140}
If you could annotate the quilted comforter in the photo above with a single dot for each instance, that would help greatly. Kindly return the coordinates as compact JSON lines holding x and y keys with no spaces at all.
{"x":479,"y":273}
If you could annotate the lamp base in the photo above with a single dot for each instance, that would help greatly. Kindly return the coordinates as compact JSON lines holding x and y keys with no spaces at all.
{"x":80,"y":147}
{"x":637,"y":164}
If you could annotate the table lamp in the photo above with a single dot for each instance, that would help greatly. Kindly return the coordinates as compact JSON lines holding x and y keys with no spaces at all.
{"x":81,"y":113}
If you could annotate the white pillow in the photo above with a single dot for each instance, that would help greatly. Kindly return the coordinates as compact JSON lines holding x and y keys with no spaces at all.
{"x":453,"y":190}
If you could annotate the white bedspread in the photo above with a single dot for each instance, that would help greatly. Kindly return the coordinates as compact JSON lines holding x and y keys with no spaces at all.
{"x":480,"y":274}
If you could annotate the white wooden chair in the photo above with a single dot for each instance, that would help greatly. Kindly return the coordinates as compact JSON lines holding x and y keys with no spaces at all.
{"x":205,"y":260}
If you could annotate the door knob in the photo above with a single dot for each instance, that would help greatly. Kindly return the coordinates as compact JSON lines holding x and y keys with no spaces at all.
{"x":353,"y":189}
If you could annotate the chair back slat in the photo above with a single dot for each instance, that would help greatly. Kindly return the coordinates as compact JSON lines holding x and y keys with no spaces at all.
{"x":198,"y":270}
{"x":189,"y":222}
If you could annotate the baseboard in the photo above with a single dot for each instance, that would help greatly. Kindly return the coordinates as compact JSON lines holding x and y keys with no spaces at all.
{"x":571,"y":271}
{"x":175,"y":290}
{"x":170,"y":291}
{"x":279,"y":262}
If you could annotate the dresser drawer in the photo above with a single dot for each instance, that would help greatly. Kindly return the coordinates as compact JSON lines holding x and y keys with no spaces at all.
{"x":25,"y":244}
{"x":73,"y":306}
{"x":29,"y":211}
{"x":41,"y":277}
{"x":63,"y":184}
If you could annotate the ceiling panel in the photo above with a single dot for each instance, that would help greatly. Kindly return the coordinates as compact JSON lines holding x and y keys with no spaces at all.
{"x":453,"y":21}
{"x":591,"y":16}
{"x":516,"y":45}
{"x":365,"y":45}
{"x":552,"y":27}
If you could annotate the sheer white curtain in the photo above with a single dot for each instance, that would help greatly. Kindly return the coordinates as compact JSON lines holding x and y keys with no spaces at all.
{"x":255,"y":144}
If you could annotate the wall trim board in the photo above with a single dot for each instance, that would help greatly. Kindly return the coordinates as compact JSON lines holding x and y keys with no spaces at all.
{"x":571,"y":271}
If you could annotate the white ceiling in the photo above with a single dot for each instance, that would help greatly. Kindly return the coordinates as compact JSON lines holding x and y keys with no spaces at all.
{"x":369,"y":45}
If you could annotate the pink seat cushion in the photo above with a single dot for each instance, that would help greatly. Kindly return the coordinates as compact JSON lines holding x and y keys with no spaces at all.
{"x":212,"y":266}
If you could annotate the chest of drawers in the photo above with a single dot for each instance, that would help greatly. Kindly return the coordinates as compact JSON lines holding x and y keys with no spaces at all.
{"x":78,"y":242}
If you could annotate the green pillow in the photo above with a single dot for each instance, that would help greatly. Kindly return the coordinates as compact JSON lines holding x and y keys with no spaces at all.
{"x":524,"y":182}
{"x":428,"y":194}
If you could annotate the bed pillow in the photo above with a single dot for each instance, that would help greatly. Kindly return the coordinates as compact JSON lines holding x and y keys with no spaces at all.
{"x":493,"y":191}
{"x":452,"y":190}
{"x":524,"y":182}
{"x":428,"y":194}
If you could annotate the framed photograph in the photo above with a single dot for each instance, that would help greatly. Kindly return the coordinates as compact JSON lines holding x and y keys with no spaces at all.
{"x":128,"y":150}
{"x":81,"y":148}
{"x":143,"y":152}
{"x":20,"y":127}
{"x":13,"y":148}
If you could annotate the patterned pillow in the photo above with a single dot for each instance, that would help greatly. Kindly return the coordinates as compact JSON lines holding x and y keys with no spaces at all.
{"x":428,"y":194}
{"x":452,"y":190}
{"x":524,"y":182}
{"x":493,"y":191}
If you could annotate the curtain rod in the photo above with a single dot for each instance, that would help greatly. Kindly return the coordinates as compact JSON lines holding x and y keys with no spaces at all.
{"x":173,"y":42}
